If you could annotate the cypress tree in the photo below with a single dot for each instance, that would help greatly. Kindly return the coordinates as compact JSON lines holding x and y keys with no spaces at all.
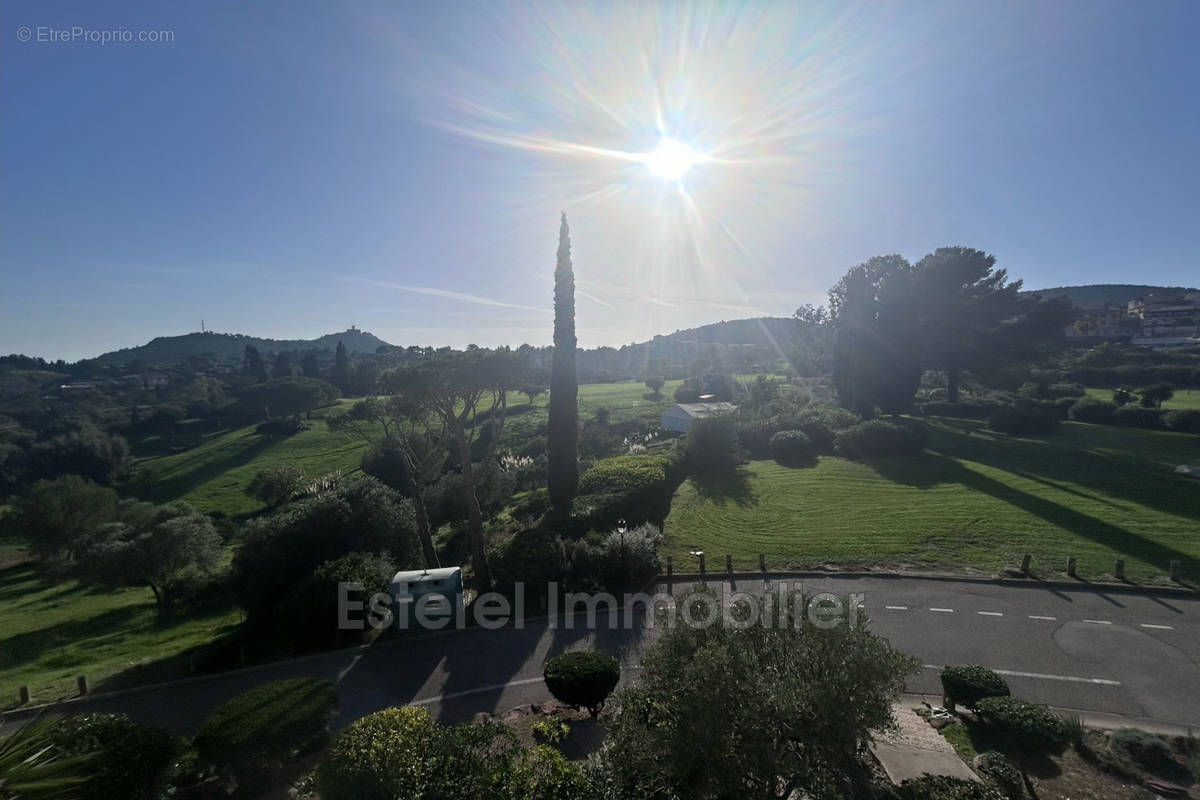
{"x":563,"y":478}
{"x":340,"y":377}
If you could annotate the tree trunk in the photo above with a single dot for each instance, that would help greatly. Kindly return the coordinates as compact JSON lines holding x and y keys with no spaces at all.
{"x":423,"y":532}
{"x":952,"y":377}
{"x":474,"y":516}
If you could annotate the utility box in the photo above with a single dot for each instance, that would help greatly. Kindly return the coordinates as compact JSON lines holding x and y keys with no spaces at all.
{"x":437,"y":592}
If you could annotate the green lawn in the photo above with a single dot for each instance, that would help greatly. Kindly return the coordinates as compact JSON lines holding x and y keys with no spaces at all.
{"x":1184,"y":398}
{"x":52,"y":631}
{"x":976,"y":499}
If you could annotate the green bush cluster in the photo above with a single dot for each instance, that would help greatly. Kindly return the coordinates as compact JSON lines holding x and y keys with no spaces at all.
{"x":1183,"y":420}
{"x":1141,"y":747}
{"x":1138,"y":417}
{"x":792,"y":448}
{"x":1089,"y":409}
{"x":820,"y":423}
{"x":943,"y":787}
{"x":253,"y":734}
{"x":131,"y":762}
{"x":712,"y":445}
{"x":1135,"y":375}
{"x":968,"y":684}
{"x":636,"y":488}
{"x":1000,"y":770}
{"x":879,"y":439}
{"x":582,"y":679}
{"x":1027,"y":726}
{"x":1022,"y":421}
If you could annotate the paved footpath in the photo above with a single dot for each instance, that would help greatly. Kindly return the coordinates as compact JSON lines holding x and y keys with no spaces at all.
{"x":1098,"y":650}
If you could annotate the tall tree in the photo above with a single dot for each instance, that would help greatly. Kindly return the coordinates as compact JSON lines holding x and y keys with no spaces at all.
{"x":340,"y":377}
{"x":282,"y":367}
{"x":966,"y":303}
{"x":253,"y":364}
{"x":855,"y":356}
{"x":563,"y":477}
{"x":899,"y":340}
{"x":310,"y":366}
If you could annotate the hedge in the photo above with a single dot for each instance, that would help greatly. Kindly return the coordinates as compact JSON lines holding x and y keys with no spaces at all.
{"x":1022,"y":421}
{"x":877,"y":438}
{"x":1089,"y":409}
{"x":251,"y":735}
{"x":1184,"y":421}
{"x":1141,"y":747}
{"x":132,"y":762}
{"x":968,"y":684}
{"x":1137,"y":417}
{"x":582,"y":679}
{"x":637,"y":489}
{"x":1027,"y":726}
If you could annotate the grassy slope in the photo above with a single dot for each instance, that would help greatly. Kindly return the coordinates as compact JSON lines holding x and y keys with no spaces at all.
{"x":213,"y":476}
{"x":1184,"y":398}
{"x":977,"y":499}
{"x":51,"y":632}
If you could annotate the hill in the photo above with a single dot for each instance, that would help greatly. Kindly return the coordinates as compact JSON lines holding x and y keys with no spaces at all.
{"x":170,"y":350}
{"x":1117,"y":293}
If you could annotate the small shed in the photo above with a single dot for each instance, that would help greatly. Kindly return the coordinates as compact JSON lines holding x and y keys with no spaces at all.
{"x":680,"y":418}
{"x":438,"y":592}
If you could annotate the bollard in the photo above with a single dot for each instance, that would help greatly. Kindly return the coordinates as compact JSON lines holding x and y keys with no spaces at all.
{"x":1175,"y":570}
{"x":1119,"y":570}
{"x":670,"y":570}
{"x":1071,"y":566}
{"x":762,"y":562}
{"x":728,"y":563}
{"x":23,"y":693}
{"x":702,"y":563}
{"x":1025,"y":559}
{"x":81,"y":683}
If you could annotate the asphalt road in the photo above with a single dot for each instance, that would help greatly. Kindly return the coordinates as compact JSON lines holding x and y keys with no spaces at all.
{"x":1090,"y":649}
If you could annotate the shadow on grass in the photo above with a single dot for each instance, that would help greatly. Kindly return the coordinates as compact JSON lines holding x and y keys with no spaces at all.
{"x":161,"y":490}
{"x":31,"y":646}
{"x":725,"y":486}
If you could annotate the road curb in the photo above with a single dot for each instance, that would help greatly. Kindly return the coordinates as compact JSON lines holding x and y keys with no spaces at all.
{"x":1098,"y":586}
{"x":1096,"y":720}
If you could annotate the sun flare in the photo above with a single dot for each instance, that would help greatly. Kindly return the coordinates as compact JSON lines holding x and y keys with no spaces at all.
{"x":672,"y":159}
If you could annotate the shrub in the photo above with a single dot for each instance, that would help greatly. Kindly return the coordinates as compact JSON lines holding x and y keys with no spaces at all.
{"x":255,"y":733}
{"x":1022,"y":421}
{"x":1026,"y":725}
{"x":381,"y":756}
{"x":624,"y":473}
{"x":877,"y":438}
{"x":971,"y":683}
{"x":312,"y":607}
{"x":1184,"y":421}
{"x":582,"y":679}
{"x":942,"y":787}
{"x":1142,"y":748}
{"x":532,"y":557}
{"x":712,"y":445}
{"x":1097,"y":412}
{"x":997,"y":767}
{"x":792,"y":448}
{"x":132,"y":761}
{"x":276,"y":485}
{"x":629,"y":559}
{"x":1135,"y":417}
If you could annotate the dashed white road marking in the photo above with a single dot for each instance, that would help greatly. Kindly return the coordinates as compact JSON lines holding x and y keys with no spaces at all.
{"x":1098,"y":621}
{"x":943,"y":610}
{"x":1045,"y":676}
{"x":990,"y":613}
{"x":896,"y":608}
{"x":1157,"y":627}
{"x":467,"y":693}
{"x":1038,"y":616}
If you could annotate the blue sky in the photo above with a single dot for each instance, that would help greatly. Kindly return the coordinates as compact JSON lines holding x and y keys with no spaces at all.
{"x":290,"y":169}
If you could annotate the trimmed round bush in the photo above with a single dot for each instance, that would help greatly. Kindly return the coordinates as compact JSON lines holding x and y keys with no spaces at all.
{"x":1142,"y":748}
{"x":582,"y":679}
{"x":1022,"y":421}
{"x":381,"y":756}
{"x":1027,"y":726}
{"x":253,"y":734}
{"x":877,"y":438}
{"x":133,"y":761}
{"x":1097,"y":412}
{"x":970,"y":683}
{"x":792,"y":448}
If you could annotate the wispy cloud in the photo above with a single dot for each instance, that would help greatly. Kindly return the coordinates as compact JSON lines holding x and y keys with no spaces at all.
{"x":461,"y":297}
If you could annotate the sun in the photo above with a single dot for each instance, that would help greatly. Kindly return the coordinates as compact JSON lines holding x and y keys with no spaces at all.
{"x":672,"y":159}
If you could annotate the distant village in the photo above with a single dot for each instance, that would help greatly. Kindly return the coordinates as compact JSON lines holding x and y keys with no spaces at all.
{"x":1155,"y":320}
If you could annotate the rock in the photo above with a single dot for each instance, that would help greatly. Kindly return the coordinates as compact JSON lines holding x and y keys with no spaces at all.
{"x":1190,"y":472}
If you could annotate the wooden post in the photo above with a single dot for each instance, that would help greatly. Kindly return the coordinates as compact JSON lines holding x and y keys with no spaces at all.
{"x":670,"y":568}
{"x":762,"y":562}
{"x":81,"y":683}
{"x":1025,"y":559}
{"x":23,"y":693}
{"x":729,"y":563}
{"x":702,"y":564}
{"x":1071,"y":566}
{"x":1119,"y":570}
{"x":1175,"y":570}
